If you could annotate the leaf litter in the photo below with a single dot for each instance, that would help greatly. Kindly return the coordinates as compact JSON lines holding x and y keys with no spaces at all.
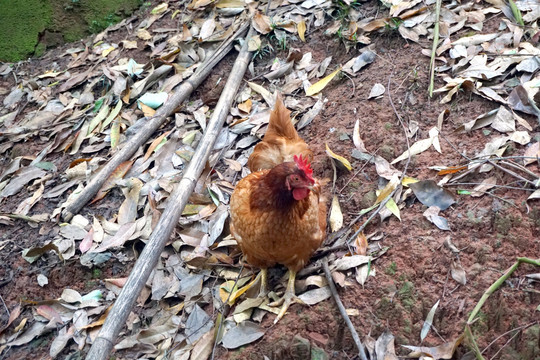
{"x":81,"y":121}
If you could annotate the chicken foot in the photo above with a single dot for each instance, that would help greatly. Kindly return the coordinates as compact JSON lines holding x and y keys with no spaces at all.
{"x":288,"y":298}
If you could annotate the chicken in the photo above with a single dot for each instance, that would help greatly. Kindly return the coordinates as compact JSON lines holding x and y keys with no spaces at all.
{"x":278,"y":214}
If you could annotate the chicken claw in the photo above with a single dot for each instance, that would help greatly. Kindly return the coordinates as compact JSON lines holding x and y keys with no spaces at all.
{"x":288,"y":298}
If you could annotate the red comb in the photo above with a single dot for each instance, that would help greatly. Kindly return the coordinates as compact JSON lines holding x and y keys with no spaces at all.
{"x":303,"y":164}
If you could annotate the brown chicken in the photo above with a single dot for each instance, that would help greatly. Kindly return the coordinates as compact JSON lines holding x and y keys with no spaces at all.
{"x":278,"y":215}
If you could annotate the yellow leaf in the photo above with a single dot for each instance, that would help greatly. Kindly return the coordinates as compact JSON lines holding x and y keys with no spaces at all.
{"x":245,"y":106}
{"x":107,"y":51}
{"x":321,"y":84}
{"x":147,"y":110}
{"x":336,"y":216}
{"x":407,"y":180}
{"x":340,"y":159}
{"x":115,"y":133}
{"x":153,"y":146}
{"x":301,"y":27}
{"x":161,"y":8}
{"x":392,"y":206}
{"x":392,"y":184}
{"x":112,"y":115}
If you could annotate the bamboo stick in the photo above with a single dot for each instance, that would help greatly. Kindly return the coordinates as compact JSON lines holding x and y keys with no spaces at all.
{"x":182,"y":92}
{"x":343,"y":311}
{"x":175,"y":205}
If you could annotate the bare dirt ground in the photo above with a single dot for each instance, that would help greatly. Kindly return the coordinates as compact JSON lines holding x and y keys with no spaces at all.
{"x":490,"y":231}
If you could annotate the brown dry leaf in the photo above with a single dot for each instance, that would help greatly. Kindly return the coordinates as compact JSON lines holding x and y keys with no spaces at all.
{"x":262,"y":23}
{"x":245,"y":106}
{"x":532,"y":154}
{"x":487,"y":184}
{"x":392,"y":184}
{"x":339,"y":160}
{"x":155,"y":144}
{"x":49,"y":313}
{"x":117,"y":174}
{"x":361,"y":244}
{"x":147,"y":110}
{"x":14,"y":314}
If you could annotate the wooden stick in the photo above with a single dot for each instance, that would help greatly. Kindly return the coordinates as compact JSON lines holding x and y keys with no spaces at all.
{"x":169,"y":219}
{"x":356,"y":338}
{"x":182,"y":92}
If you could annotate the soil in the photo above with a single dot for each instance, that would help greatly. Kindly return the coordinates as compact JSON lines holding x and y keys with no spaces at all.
{"x":491,"y":231}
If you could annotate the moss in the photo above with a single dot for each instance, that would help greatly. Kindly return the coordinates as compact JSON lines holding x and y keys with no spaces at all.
{"x":406,"y":294}
{"x":28,"y":27}
{"x":21,"y":22}
{"x":391,"y":269}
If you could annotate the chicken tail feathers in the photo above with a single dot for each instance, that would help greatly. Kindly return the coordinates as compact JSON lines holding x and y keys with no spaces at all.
{"x":280,"y":124}
{"x":280,"y":143}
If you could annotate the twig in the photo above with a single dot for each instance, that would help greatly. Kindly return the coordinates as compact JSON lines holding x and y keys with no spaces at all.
{"x":493,"y":185}
{"x":505,"y":344}
{"x":508,"y":332}
{"x":434,"y":48}
{"x":498,"y":283}
{"x":353,"y":86}
{"x":510,"y":172}
{"x":519,"y":167}
{"x":356,"y":338}
{"x":5,"y":307}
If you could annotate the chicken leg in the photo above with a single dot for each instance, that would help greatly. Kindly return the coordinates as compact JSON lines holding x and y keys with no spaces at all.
{"x":288,"y":298}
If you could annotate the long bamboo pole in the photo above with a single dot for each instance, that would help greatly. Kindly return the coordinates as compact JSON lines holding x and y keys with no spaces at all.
{"x":182,"y":92}
{"x":175,"y":205}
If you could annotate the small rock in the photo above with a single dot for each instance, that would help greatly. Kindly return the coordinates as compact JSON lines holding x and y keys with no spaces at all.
{"x":343,"y":137}
{"x":358,"y":155}
{"x":319,"y":338}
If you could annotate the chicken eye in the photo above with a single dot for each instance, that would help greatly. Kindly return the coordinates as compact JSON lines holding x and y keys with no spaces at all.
{"x":296,"y":178}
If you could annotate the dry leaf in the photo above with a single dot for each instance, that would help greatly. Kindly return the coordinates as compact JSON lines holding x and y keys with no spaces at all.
{"x":336,"y":216}
{"x":301,"y":27}
{"x":340,"y":160}
{"x":321,"y":84}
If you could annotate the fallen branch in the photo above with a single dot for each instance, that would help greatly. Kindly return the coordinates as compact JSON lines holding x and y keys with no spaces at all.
{"x":182,"y":92}
{"x":169,"y":219}
{"x":356,"y":338}
{"x":500,"y":281}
